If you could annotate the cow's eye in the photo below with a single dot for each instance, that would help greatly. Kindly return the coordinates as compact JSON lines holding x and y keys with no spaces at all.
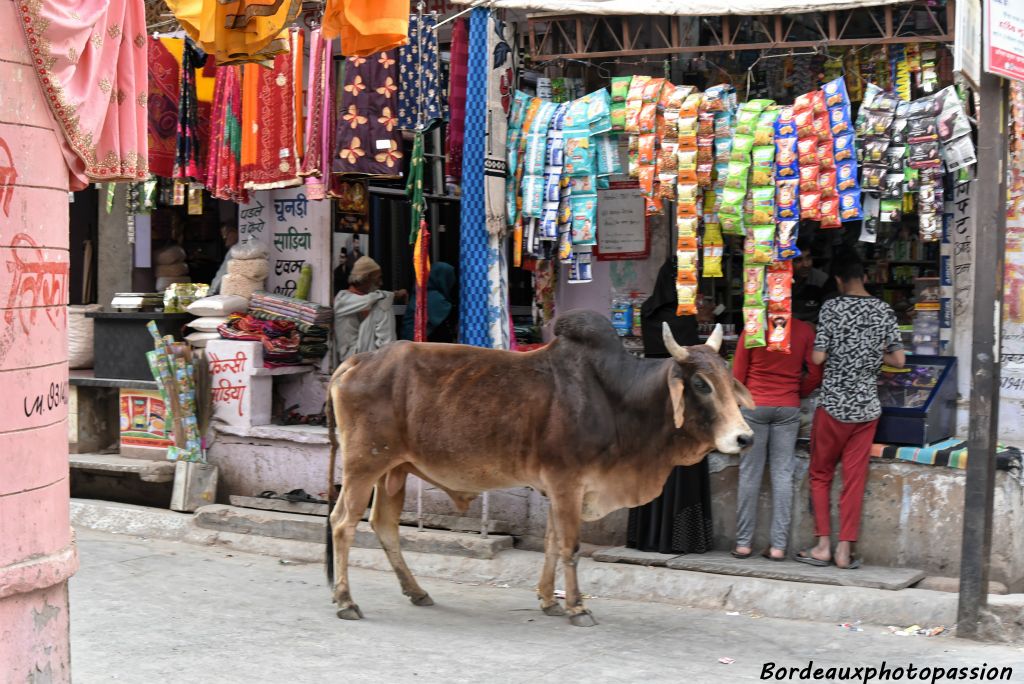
{"x":701,"y":385}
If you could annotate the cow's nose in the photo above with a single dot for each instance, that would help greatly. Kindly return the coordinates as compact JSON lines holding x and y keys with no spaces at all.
{"x":745,"y":439}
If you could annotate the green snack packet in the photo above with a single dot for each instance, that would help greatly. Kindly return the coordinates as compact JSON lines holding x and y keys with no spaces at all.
{"x":620,"y":88}
{"x":753,"y":326}
{"x":742,"y":145}
{"x":736,"y":178}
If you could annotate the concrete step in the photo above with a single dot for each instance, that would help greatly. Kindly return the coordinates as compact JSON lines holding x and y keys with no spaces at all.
{"x":148,"y":471}
{"x":454,"y":523}
{"x":868,"y":576}
{"x":312,"y":529}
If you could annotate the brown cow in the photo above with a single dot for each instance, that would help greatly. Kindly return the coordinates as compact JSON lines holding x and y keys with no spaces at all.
{"x":581,"y":420}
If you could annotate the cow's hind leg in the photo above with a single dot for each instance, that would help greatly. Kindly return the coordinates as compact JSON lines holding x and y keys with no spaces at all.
{"x":355,"y":495}
{"x":566,"y":507}
{"x":546,"y":588}
{"x":386,"y":514}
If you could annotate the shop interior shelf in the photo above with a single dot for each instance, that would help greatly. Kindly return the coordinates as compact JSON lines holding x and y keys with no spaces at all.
{"x":283,"y":370}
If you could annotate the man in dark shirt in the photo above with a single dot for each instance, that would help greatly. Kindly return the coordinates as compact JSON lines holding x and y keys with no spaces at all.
{"x":856,"y":333}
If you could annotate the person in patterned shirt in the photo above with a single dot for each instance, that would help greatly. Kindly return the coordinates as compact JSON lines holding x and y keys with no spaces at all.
{"x":856,"y":333}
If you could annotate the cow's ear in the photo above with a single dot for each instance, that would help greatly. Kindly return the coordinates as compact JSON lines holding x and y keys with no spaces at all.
{"x":743,"y":396}
{"x":676,"y":388}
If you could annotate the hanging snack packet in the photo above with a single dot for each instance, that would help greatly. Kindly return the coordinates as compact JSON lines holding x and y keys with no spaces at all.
{"x":686,"y":296}
{"x":826,"y":157}
{"x":850,"y":206}
{"x":732,"y":201}
{"x":810,"y":205}
{"x":742,"y":146}
{"x":835,"y":93}
{"x":763,"y":209}
{"x":738,"y":174}
{"x":844,"y":148}
{"x":931,"y":226}
{"x":890,"y":211}
{"x":712,"y":267}
{"x":753,"y":285}
{"x":753,"y":327}
{"x":787,"y":206}
{"x":647,"y":179}
{"x":827,"y":184}
{"x":785,"y":240}
{"x":620,"y":88}
{"x":839,"y":120}
{"x":732,"y":224}
{"x":925,"y":155}
{"x":653,"y":206}
{"x":648,"y":119}
{"x":809,"y":178}
{"x":668,"y":162}
{"x":872,"y":177}
{"x":764,"y":243}
{"x":779,"y":332}
{"x":830,"y":213}
{"x":764,"y":132}
{"x":846,"y":175}
{"x":647,"y":149}
{"x":746,"y":120}
{"x":763,"y":165}
{"x":807,"y":148}
{"x":688,"y":196}
{"x":821,"y":128}
{"x":803,"y":120}
{"x":779,"y":279}
{"x":892,"y":185}
{"x":687,"y":159}
{"x":687,"y":226}
{"x":785,"y":126}
{"x":786,"y":159}
{"x":584,"y":220}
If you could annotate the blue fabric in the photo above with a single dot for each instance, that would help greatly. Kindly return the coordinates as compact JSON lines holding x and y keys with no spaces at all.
{"x":419,"y":91}
{"x":474,"y":290}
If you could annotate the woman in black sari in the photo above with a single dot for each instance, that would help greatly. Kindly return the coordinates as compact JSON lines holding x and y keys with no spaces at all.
{"x":679,"y":520}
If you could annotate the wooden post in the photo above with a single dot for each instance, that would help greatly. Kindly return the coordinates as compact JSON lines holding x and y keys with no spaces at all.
{"x":989,"y":244}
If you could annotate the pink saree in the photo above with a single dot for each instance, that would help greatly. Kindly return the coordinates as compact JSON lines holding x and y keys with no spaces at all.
{"x":91,"y":60}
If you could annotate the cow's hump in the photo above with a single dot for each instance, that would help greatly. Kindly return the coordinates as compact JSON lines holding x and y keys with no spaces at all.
{"x":589,"y":329}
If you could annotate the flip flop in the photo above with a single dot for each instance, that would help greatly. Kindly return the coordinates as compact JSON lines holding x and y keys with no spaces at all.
{"x":301,"y":496}
{"x":741,"y":556}
{"x":806,"y":558}
{"x":767,"y":553}
{"x":854,"y":564}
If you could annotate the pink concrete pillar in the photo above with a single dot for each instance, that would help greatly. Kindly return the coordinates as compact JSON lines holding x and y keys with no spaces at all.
{"x":37,"y":552}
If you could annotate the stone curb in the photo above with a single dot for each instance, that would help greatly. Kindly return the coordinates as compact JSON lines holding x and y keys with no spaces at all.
{"x":517,"y":568}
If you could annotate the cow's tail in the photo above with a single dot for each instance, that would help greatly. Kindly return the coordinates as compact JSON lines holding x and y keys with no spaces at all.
{"x":332,"y":437}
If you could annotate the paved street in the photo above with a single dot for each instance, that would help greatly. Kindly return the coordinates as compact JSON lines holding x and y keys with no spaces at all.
{"x":156,"y":611}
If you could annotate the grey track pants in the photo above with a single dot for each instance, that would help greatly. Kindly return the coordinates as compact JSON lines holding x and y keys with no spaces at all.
{"x":775,"y":432}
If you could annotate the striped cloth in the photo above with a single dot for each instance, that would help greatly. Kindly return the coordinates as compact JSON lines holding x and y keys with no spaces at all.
{"x":951,"y":453}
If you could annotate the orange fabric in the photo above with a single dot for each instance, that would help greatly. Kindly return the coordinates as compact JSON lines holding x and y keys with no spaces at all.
{"x":250,"y":105}
{"x":367,"y":27}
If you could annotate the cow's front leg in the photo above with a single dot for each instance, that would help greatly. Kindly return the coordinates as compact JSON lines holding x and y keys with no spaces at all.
{"x":566,"y":509}
{"x":355,"y":495}
{"x":546,"y":587}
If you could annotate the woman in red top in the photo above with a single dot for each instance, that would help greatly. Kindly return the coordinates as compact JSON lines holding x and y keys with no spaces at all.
{"x":777,"y":382}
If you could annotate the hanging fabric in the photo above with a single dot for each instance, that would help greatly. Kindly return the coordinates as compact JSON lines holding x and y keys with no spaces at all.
{"x":367,"y":27}
{"x":414,"y":186}
{"x":457,"y":99}
{"x":92,"y":64}
{"x":269,"y":157}
{"x":368,"y":140}
{"x":162,"y":106}
{"x":236,"y":31}
{"x":421,"y":263}
{"x":419,"y":94}
{"x":188,"y":152}
{"x":474,"y":295}
{"x":224,"y":178}
{"x":316,"y":158}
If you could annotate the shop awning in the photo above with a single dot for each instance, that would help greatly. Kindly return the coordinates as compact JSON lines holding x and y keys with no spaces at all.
{"x":677,"y":7}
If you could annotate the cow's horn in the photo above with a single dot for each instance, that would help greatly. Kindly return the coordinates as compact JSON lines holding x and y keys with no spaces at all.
{"x":678,"y":351}
{"x":715,"y":338}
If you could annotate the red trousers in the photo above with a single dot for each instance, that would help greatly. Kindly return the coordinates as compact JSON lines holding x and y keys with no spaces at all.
{"x":832,"y":442}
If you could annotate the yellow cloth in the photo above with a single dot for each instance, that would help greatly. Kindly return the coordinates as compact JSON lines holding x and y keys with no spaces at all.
{"x":367,"y":27}
{"x":259,"y":40}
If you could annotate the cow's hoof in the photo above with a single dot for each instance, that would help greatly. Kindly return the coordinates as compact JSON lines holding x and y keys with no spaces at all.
{"x":554,"y":610}
{"x":424,"y":600}
{"x":352,"y":612}
{"x":584,"y":619}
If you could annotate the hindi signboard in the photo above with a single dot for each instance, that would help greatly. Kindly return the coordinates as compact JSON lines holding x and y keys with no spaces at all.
{"x":622,"y":231}
{"x":296,"y":232}
{"x":967,"y":42}
{"x":1004,"y":38}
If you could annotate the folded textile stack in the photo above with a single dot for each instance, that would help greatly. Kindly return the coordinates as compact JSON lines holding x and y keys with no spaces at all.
{"x":311,"y":320}
{"x":290,"y":308}
{"x":280,"y":339}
